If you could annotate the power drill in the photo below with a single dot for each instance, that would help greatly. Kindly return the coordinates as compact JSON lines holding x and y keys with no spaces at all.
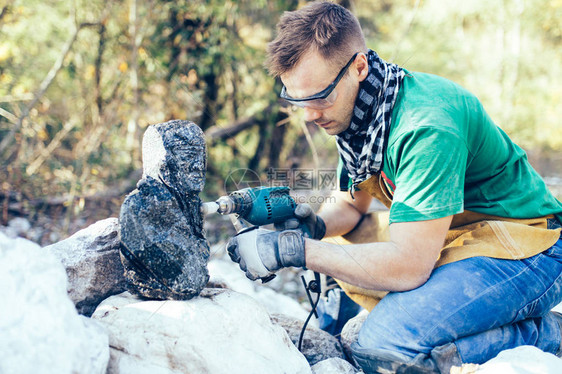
{"x":258,"y":206}
{"x":261,"y":206}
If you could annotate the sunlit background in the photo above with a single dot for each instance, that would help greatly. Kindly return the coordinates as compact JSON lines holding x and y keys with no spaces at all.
{"x":81,"y":80}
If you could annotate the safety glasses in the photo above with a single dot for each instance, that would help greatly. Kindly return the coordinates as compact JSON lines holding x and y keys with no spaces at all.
{"x":323,"y":99}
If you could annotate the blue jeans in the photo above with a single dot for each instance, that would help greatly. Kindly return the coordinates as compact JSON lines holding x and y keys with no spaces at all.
{"x":467,"y":312}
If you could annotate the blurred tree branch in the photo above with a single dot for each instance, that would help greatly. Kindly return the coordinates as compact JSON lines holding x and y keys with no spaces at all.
{"x":216,"y":133}
{"x":51,"y":75}
{"x":9,"y":116}
{"x":5,"y":10}
{"x":46,"y":152}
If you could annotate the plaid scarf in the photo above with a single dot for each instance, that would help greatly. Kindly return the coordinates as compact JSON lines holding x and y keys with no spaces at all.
{"x":362,"y":144}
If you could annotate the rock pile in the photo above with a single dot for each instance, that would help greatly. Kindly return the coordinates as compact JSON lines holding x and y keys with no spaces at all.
{"x":220,"y":331}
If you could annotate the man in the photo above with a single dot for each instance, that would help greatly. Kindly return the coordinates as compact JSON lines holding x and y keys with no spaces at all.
{"x":474,"y":260}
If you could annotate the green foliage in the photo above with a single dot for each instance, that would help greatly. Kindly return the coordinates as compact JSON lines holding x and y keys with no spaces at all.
{"x":506,"y":52}
{"x":139,"y":62}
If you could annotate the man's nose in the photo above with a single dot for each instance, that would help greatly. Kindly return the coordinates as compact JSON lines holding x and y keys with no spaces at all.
{"x":311,"y":114}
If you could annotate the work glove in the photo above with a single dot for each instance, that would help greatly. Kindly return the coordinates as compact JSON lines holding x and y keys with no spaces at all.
{"x":261,"y":252}
{"x":305,"y":220}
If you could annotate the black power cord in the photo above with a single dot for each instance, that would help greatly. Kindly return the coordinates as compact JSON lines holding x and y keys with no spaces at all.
{"x":312,"y":286}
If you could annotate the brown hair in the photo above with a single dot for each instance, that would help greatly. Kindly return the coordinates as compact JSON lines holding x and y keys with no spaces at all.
{"x":323,"y":26}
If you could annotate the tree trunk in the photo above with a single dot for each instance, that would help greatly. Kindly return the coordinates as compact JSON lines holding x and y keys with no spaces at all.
{"x":264,"y":135}
{"x":134,"y":136}
{"x":98,"y":66}
{"x":278,"y":138}
{"x":210,"y":100}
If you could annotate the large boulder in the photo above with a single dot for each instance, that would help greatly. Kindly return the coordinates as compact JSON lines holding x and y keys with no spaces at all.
{"x":161,"y":256}
{"x":93,"y":266}
{"x":220,"y":331}
{"x":317,"y":345}
{"x":41,"y":332}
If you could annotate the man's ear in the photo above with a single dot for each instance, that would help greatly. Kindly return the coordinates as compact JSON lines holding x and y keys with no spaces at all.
{"x":361,"y":66}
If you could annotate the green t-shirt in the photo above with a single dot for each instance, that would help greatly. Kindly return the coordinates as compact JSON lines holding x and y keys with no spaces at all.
{"x":445,"y":155}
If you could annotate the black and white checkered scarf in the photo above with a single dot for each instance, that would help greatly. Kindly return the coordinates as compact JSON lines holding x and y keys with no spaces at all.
{"x":362,"y":144}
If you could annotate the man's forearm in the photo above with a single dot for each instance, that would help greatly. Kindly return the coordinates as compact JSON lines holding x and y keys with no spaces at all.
{"x":403,"y":263}
{"x":375,"y":266}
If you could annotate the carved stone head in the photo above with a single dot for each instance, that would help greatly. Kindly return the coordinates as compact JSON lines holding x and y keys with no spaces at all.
{"x":174,"y":152}
{"x":163,"y":246}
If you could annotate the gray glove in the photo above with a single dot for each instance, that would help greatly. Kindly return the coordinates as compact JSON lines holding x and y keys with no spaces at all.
{"x":261,"y":252}
{"x":306,"y":220}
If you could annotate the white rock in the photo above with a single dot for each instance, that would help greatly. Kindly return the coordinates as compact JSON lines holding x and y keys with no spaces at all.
{"x":228,"y":272}
{"x":19,"y":226}
{"x":522,"y":360}
{"x":41,"y":332}
{"x":333,"y":365}
{"x":92,"y":263}
{"x":558,"y":308}
{"x":221,"y":331}
{"x":6,"y":243}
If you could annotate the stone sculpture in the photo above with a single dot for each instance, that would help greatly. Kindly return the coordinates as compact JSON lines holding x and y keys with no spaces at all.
{"x":163,"y":247}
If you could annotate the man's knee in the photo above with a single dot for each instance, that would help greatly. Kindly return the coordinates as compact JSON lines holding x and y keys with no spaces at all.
{"x":390,"y":331}
{"x":393,"y":343}
{"x":379,"y":348}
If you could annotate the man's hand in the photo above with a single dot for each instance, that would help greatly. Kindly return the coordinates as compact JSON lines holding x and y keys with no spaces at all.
{"x":261,"y":252}
{"x":306,"y":220}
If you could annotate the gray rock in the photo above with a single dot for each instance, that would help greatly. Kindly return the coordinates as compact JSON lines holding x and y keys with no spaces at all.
{"x":333,"y":366}
{"x":162,"y":256}
{"x":92,"y":263}
{"x":164,"y":250}
{"x":350,"y":332}
{"x":317,"y":345}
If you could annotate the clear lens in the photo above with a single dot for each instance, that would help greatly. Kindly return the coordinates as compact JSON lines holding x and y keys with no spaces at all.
{"x":318,"y":103}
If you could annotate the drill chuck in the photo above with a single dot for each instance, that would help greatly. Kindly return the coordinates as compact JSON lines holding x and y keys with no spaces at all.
{"x":238,"y":202}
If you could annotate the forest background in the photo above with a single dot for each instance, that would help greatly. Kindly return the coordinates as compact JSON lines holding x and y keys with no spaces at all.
{"x":81,"y":80}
